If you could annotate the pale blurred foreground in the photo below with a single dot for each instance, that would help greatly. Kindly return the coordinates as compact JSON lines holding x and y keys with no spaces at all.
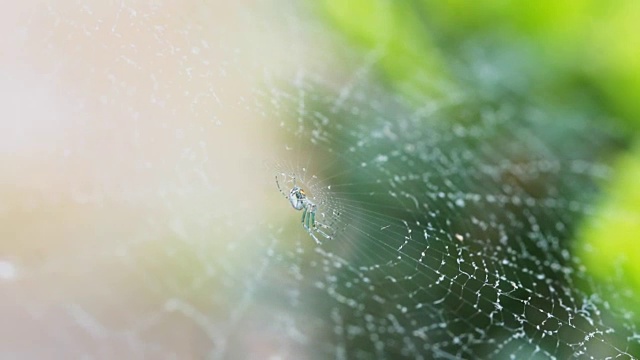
{"x":126,"y":152}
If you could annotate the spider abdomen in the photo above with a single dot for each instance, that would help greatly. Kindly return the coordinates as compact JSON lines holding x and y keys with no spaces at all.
{"x":297,"y":198}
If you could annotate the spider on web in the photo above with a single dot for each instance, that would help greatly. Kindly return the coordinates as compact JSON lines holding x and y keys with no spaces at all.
{"x":299,"y":200}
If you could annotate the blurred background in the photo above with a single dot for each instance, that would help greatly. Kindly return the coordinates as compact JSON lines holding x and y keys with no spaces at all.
{"x":475,"y":167}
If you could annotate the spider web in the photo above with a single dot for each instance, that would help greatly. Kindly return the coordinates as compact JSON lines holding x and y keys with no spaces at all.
{"x":142,"y":218}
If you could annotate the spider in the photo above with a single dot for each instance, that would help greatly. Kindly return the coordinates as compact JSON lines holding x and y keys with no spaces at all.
{"x":298,"y":199}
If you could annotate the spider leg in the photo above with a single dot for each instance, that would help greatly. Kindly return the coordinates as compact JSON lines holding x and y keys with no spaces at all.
{"x":314,"y":237}
{"x":328,"y":230}
{"x":312,"y":221}
{"x":304,"y":218}
{"x":319,"y":230}
{"x":317,"y":225}
{"x":320,"y":225}
{"x":280,"y":189}
{"x":310,"y":218}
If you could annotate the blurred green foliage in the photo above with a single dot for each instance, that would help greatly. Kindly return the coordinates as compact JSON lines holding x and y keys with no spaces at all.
{"x":587,"y":47}
{"x":410,"y":62}
{"x":595,"y":40}
{"x":609,"y":241}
